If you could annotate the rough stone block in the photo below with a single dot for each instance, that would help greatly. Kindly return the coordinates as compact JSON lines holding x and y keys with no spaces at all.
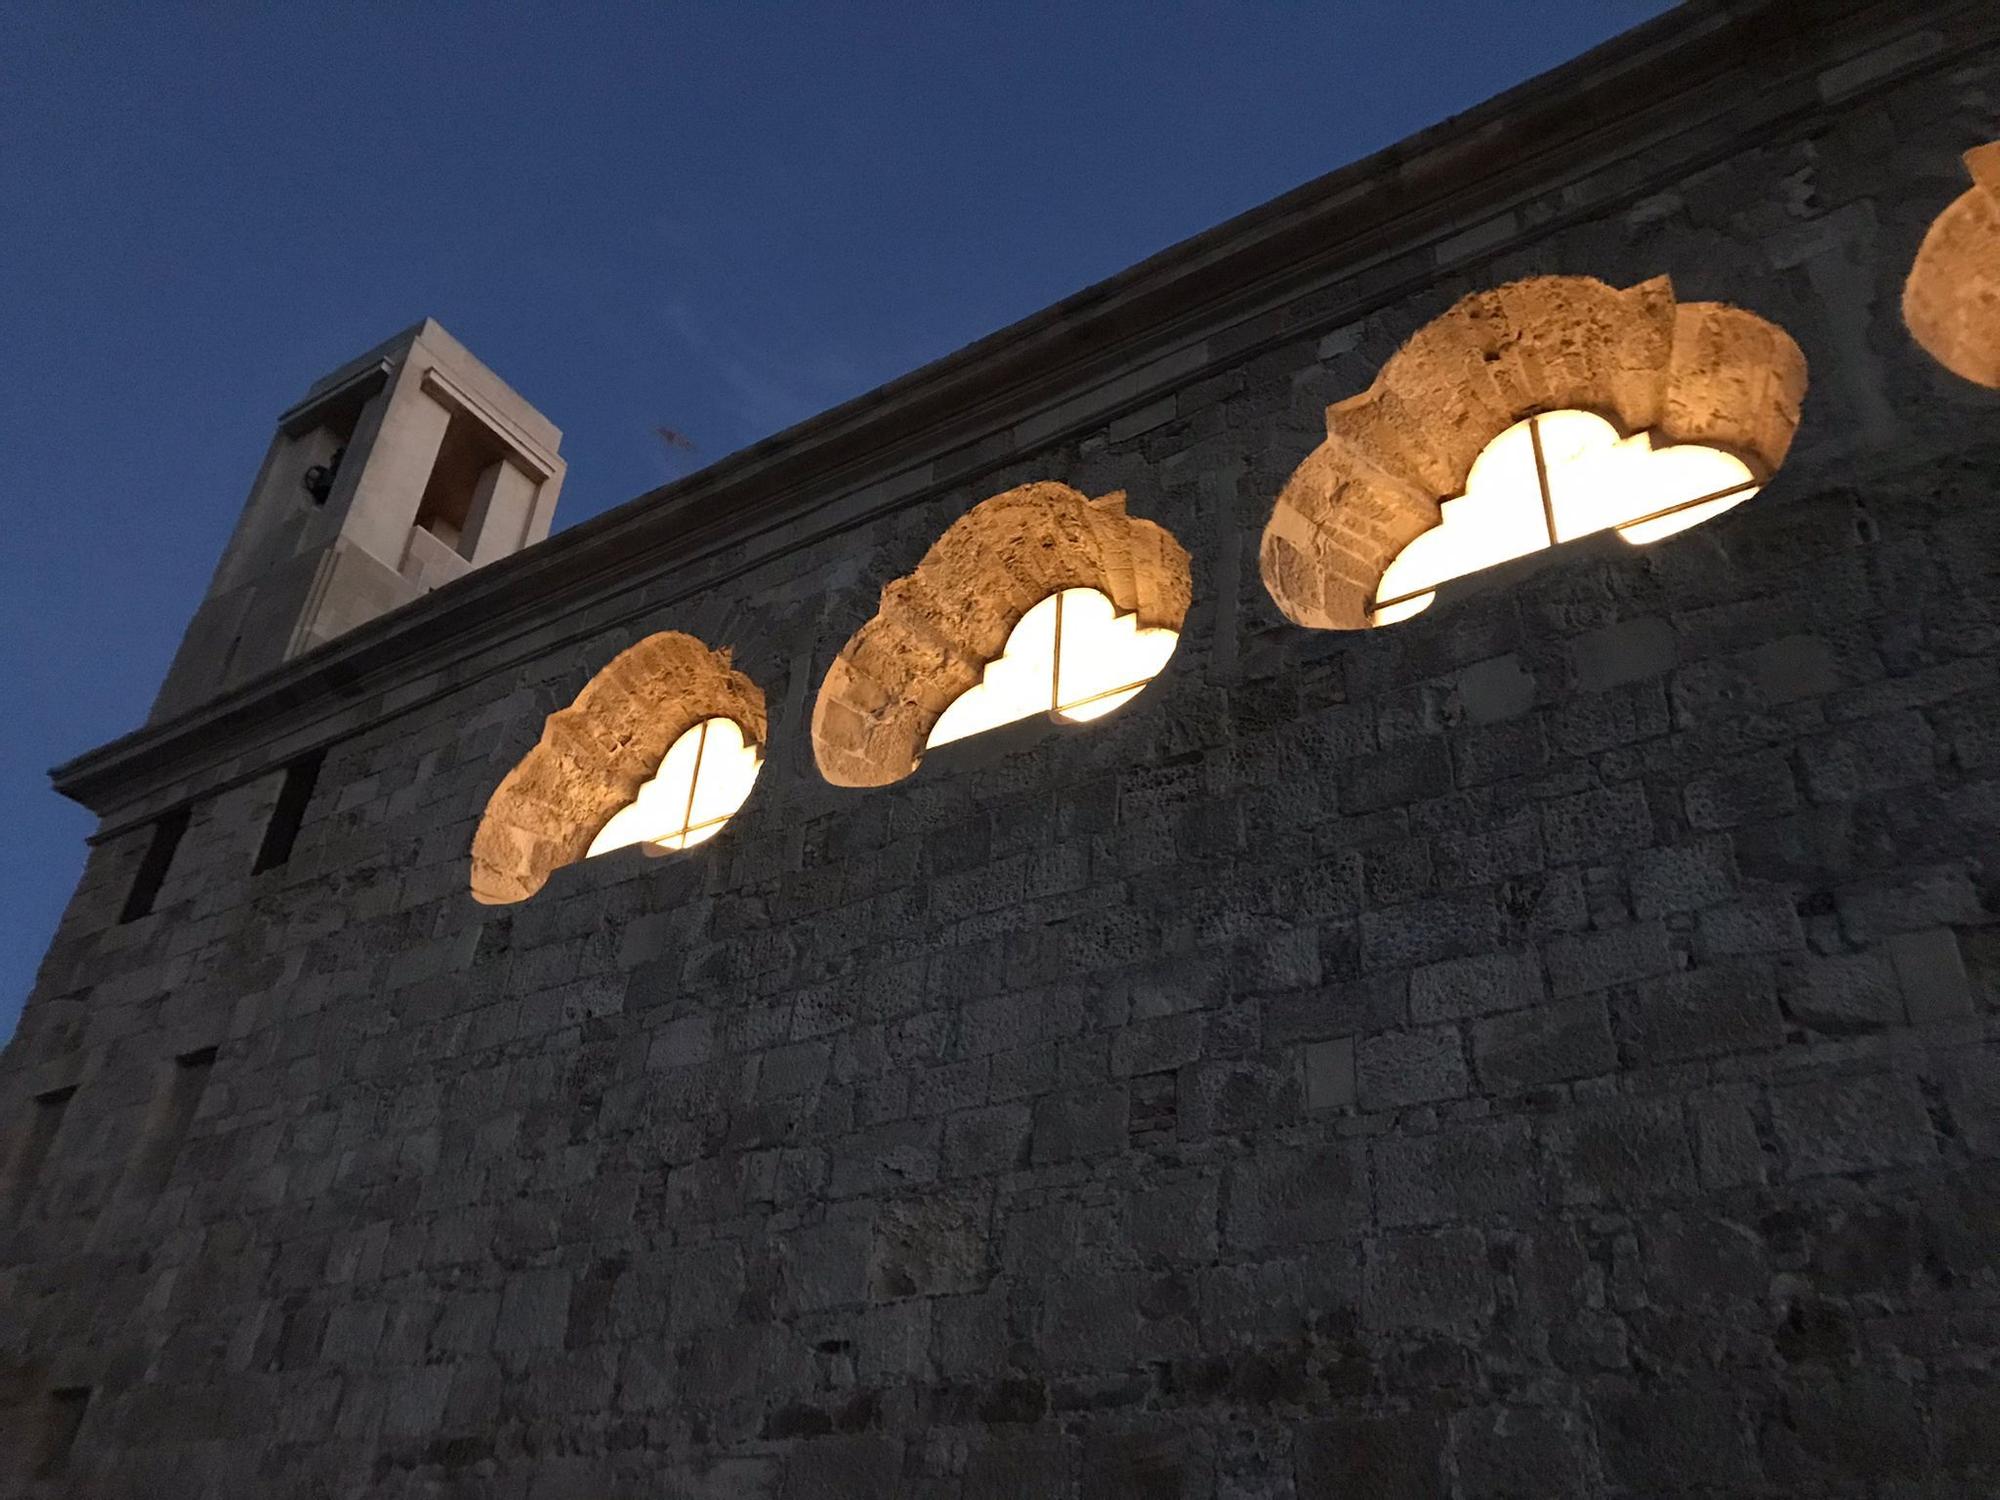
{"x":1628,"y":1152}
{"x":826,"y":1265}
{"x":1616,"y":955}
{"x":1435,"y":1280}
{"x":1685,"y":877}
{"x":1911,"y":901}
{"x":1844,"y":994}
{"x":1082,"y":1124}
{"x":1747,"y":790}
{"x":1547,"y":1044}
{"x":929,"y":1247}
{"x":1495,"y":690}
{"x":1281,"y":1197}
{"x":534,"y":1311}
{"x":1930,"y":971}
{"x":1596,"y":824}
{"x":979,"y":1141}
{"x":1327,"y":1072}
{"x":1764,"y":922}
{"x":901,"y":1154}
{"x":1622,"y":653}
{"x":1174,"y":1222}
{"x":1394,"y":1457}
{"x":1422,"y":931}
{"x":1502,"y":1452}
{"x":1852,"y":1124}
{"x":1474,"y":1172}
{"x":1871,"y":756}
{"x":1794,"y":667}
{"x":1691,"y":1437}
{"x":1479,"y":985}
{"x":1706,"y":1012}
{"x":1410,"y":1067}
{"x":842,"y":1468}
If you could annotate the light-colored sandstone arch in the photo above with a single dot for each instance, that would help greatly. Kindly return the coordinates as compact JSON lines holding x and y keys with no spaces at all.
{"x":594,"y":755}
{"x":939,"y":626}
{"x":1696,"y":372}
{"x":1951,"y":301}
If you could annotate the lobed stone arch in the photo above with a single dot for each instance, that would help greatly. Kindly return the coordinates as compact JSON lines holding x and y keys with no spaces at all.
{"x":594,"y":756}
{"x":1696,"y":372}
{"x":1951,"y":301}
{"x":940,"y":625}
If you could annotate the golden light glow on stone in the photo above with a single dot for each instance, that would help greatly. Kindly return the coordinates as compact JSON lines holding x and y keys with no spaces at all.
{"x":1072,"y":655}
{"x":703,"y":779}
{"x":1554,"y":478}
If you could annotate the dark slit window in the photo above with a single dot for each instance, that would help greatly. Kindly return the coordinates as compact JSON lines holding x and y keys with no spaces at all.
{"x":153,"y":868}
{"x":282,"y":832}
{"x":62,"y":1416}
{"x":174,"y":1111}
{"x":42,"y":1127}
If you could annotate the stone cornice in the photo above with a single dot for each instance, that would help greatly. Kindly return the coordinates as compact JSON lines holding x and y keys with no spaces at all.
{"x":1725,"y":71}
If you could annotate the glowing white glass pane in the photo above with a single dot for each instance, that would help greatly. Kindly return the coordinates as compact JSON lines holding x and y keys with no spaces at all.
{"x":1498,"y":517}
{"x":658,"y":815}
{"x":1104,"y":652}
{"x":1680,"y":520}
{"x":1106,"y":658}
{"x":728,"y":769}
{"x":1415,"y":605}
{"x":1016,"y":683}
{"x":1597,"y":481}
{"x":1097,"y":708}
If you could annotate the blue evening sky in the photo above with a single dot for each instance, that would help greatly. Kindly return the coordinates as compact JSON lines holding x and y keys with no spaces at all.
{"x":720,"y":219}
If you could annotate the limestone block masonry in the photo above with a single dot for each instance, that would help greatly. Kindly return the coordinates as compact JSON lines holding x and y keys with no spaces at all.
{"x":1548,"y":1047}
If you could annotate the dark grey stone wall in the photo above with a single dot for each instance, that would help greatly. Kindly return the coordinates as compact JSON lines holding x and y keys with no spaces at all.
{"x":1546,"y":1048}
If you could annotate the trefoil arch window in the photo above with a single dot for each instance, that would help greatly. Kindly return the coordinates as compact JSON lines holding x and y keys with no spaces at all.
{"x":942,"y":633}
{"x":1679,"y":377}
{"x":656,"y":709}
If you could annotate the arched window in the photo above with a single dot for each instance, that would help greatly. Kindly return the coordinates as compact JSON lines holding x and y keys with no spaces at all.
{"x":1695,"y":383}
{"x":1072,"y":656}
{"x":704,"y":777}
{"x":1553,"y":478}
{"x":950,"y":632}
{"x":660,"y":747}
{"x":1951,"y":301}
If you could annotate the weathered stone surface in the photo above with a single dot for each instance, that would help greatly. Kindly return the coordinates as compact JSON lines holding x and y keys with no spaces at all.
{"x":1952,"y":298}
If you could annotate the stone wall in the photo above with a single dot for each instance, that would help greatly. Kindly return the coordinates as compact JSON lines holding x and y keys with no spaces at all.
{"x":1545,"y":1048}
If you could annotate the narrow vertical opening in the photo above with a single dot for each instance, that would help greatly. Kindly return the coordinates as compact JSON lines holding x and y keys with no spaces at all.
{"x":44,"y":1120}
{"x":173,"y":1112}
{"x":153,"y":868}
{"x":468,"y":450}
{"x":282,"y":832}
{"x":62,"y":1418}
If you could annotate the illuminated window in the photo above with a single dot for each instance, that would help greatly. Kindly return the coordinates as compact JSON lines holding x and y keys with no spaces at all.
{"x":1073,"y":656}
{"x":1554,"y":478}
{"x":704,"y":777}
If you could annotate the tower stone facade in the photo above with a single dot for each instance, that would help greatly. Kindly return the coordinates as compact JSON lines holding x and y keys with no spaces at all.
{"x":1546,"y":1047}
{"x":402,"y":470}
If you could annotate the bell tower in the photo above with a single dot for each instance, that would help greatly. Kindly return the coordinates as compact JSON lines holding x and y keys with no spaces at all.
{"x":400,"y":471}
